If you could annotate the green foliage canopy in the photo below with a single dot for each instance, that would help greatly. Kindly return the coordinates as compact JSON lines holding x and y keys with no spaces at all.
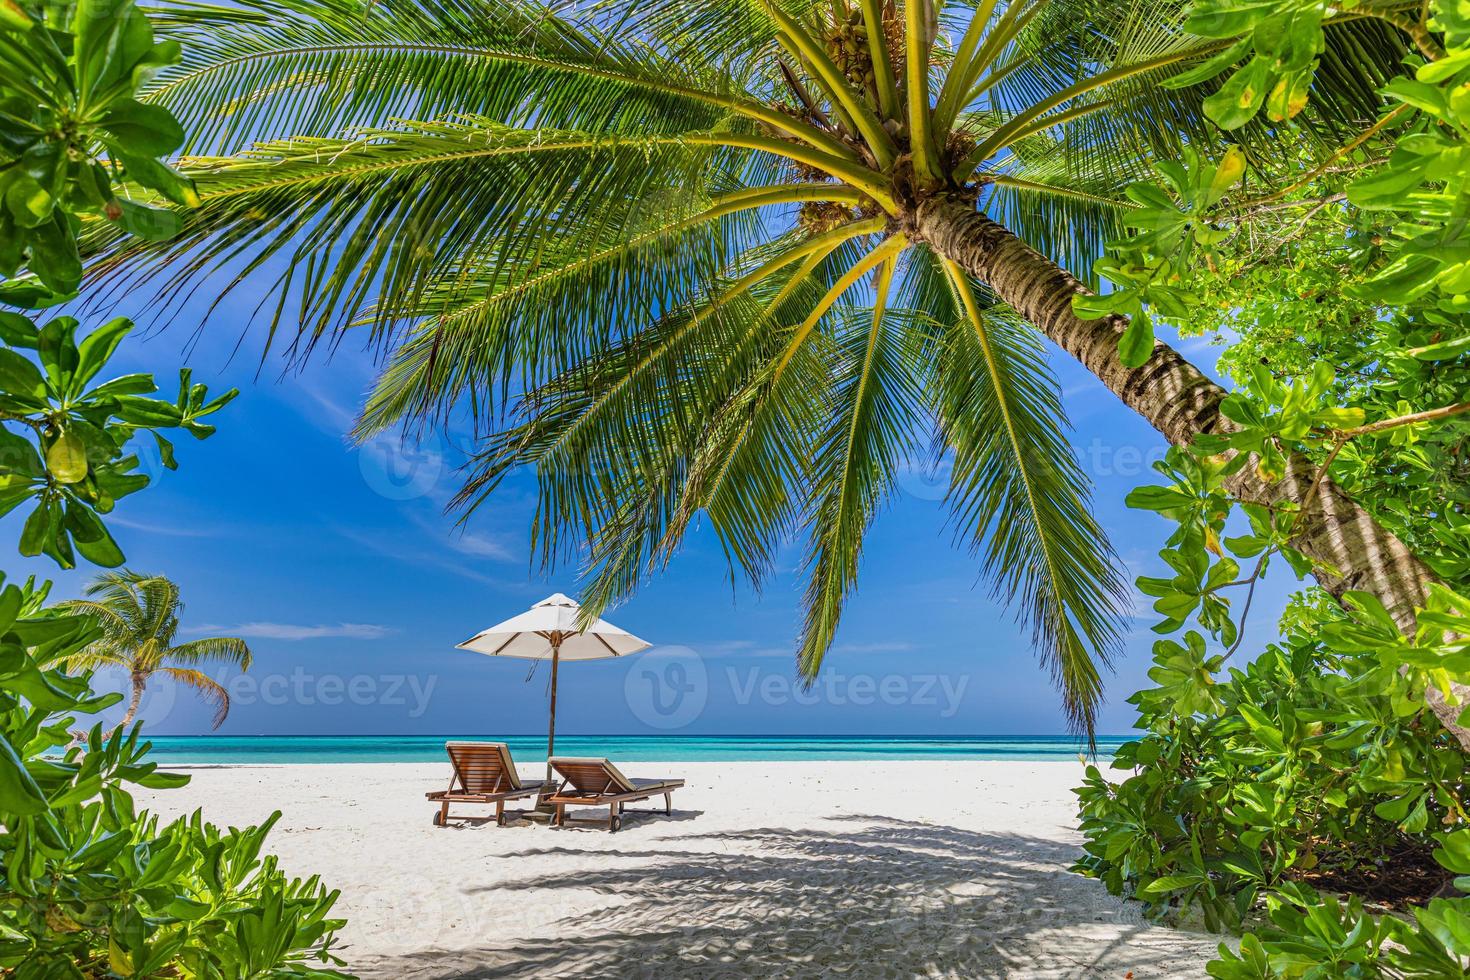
{"x":1316,"y":768}
{"x":89,"y":886}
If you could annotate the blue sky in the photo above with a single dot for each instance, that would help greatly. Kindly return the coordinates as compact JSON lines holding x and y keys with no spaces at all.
{"x":352,"y":585}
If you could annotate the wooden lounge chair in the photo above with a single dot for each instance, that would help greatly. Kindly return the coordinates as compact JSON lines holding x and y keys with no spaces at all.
{"x":484,"y":773}
{"x":597,"y":782}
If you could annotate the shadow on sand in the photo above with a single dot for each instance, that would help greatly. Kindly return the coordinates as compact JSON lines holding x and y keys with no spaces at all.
{"x":886,"y":898}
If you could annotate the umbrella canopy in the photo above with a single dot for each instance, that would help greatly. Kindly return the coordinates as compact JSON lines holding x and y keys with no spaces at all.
{"x":548,"y":631}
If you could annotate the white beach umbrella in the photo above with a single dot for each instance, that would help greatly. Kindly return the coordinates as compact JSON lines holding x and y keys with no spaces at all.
{"x":548,"y":631}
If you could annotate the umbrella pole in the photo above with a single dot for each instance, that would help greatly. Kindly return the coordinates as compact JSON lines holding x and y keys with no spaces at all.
{"x":551,"y":730}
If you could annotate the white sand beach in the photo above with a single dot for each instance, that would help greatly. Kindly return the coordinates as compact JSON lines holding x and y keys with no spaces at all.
{"x":782,"y":869}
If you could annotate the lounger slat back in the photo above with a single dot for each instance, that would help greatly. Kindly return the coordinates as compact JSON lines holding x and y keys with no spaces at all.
{"x":597,"y":776}
{"x":483,"y":773}
{"x":483,"y":767}
{"x":597,"y":782}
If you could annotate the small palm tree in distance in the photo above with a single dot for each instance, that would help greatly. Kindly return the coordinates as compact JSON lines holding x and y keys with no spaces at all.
{"x":139,"y":618}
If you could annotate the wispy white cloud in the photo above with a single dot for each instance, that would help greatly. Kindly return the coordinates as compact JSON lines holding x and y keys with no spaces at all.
{"x":472,"y":543}
{"x":881,"y":646}
{"x":400,"y":549}
{"x":293,"y":631}
{"x":741,"y":649}
{"x":329,"y":413}
{"x":480,"y":545}
{"x":327,"y":398}
{"x":175,"y":531}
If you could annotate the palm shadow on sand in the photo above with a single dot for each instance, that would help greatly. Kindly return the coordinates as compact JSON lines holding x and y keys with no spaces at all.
{"x":887,"y":898}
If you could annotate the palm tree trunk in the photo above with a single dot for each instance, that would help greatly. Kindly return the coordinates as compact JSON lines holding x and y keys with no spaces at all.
{"x":139,"y":682}
{"x":1177,"y":399}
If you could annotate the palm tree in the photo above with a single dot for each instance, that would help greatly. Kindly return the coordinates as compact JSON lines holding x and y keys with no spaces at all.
{"x":740,"y":260}
{"x":139,"y":617}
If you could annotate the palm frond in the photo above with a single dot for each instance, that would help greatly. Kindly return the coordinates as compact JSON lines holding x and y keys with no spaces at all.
{"x":92,"y":658}
{"x":229,"y":650}
{"x":322,"y":67}
{"x":159,"y":598}
{"x":871,"y":418}
{"x":744,"y":465}
{"x":369,"y":222}
{"x":114,"y":621}
{"x":653,"y":416}
{"x":1018,"y":495}
{"x":487,"y":323}
{"x":206,"y":687}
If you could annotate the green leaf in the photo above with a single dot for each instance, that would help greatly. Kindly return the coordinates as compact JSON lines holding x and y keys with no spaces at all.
{"x":1137,"y":342}
{"x":55,"y":260}
{"x":142,"y":129}
{"x":1210,"y":67}
{"x":1454,"y":851}
{"x":17,"y":330}
{"x":91,"y":536}
{"x":96,"y":349}
{"x":19,"y":793}
{"x":148,"y":411}
{"x":28,"y":202}
{"x":156,"y":176}
{"x":36,"y":531}
{"x":1444,"y":350}
{"x":1434,"y":72}
{"x":1241,"y":96}
{"x":29,"y":292}
{"x":149,"y":224}
{"x":1169,"y":883}
{"x":21,"y":379}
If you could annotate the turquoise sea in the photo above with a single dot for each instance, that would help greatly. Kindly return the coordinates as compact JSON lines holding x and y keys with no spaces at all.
{"x":272,"y":749}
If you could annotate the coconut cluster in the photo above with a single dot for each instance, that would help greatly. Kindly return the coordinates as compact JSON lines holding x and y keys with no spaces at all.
{"x":847,"y":45}
{"x":816,"y":217}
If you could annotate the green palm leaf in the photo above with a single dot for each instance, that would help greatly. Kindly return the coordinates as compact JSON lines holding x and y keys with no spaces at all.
{"x":634,"y":240}
{"x":139,"y":615}
{"x":871,"y":419}
{"x":1019,"y":497}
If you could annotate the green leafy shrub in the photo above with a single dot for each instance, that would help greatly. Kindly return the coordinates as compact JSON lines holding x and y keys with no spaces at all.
{"x":75,"y":140}
{"x":89,"y":886}
{"x":1315,"y":762}
{"x":1316,"y":766}
{"x":69,"y":449}
{"x":1308,"y":798}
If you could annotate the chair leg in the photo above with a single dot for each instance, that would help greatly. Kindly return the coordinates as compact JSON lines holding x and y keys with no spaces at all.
{"x":500,"y":813}
{"x":561,"y":815}
{"x":668,"y":804}
{"x":444,"y":814}
{"x":612,"y":816}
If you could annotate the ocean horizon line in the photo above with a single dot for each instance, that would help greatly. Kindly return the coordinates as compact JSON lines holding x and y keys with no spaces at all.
{"x":531,"y":749}
{"x":720,"y":735}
